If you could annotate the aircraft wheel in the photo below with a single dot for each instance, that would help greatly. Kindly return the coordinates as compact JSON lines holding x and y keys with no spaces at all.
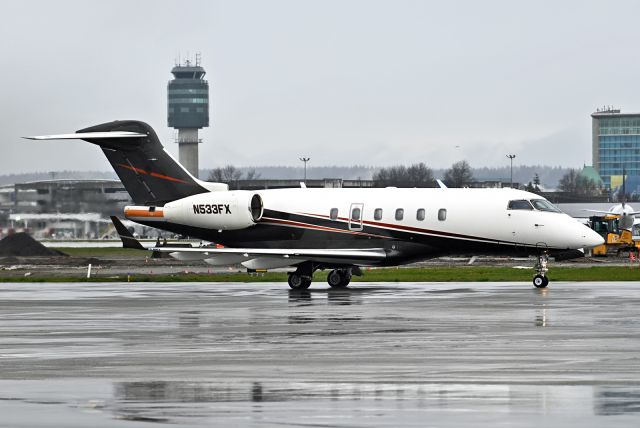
{"x":298,"y":282}
{"x":339,"y":278}
{"x":540,"y":281}
{"x":334,"y":278}
{"x":346,"y":278}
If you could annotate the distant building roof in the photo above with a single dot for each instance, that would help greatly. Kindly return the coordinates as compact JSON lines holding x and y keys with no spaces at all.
{"x":609,"y":111}
{"x":591,"y":173}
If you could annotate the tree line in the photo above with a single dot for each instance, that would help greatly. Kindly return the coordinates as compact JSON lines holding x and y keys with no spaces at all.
{"x":231,"y":175}
{"x":577,"y":184}
{"x":420,"y":175}
{"x":460,"y":174}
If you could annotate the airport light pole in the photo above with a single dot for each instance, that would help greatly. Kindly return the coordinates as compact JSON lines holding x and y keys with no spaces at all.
{"x":305,"y":160}
{"x":511,"y":157}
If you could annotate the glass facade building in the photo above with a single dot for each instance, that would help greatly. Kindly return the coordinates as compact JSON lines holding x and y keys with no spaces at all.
{"x":615,"y":144}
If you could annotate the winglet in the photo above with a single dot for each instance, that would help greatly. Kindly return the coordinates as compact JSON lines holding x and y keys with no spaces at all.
{"x":441,"y":184}
{"x":128,"y":241}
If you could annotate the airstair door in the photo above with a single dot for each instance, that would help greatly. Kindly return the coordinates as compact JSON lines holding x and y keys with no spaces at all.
{"x":356,"y":212}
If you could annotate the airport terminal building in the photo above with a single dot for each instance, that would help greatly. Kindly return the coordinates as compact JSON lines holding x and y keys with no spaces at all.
{"x":616,"y":146}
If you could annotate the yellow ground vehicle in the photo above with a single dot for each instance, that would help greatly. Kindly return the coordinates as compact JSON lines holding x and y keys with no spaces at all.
{"x":616,"y":239}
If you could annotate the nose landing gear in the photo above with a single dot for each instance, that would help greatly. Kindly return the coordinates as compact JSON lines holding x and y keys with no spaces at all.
{"x":540,"y":280}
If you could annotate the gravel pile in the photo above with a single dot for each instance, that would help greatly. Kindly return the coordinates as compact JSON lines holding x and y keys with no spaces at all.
{"x":23,"y":245}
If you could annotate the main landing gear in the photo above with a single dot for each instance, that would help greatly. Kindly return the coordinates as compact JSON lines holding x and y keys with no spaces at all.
{"x":337,"y":278}
{"x":302,"y":277}
{"x":540,"y":279}
{"x":298,"y":282}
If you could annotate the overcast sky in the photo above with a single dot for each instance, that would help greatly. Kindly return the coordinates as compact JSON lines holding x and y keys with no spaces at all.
{"x":344,"y":82}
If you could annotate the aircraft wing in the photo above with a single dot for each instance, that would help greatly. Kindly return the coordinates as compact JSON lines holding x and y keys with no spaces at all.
{"x":365,"y":253}
{"x":611,"y":212}
{"x":257,"y":258}
{"x":601,"y":212}
{"x":271,"y":258}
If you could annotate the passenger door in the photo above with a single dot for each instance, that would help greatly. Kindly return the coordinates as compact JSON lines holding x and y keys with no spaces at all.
{"x":356,"y":212}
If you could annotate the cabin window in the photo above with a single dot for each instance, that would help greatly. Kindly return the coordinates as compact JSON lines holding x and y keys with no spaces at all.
{"x":544,"y":205}
{"x":399,"y":214}
{"x":420,"y":214}
{"x":333,"y":214}
{"x":520,"y":204}
{"x":355,"y":214}
{"x":442,"y":214}
{"x":377,"y":214}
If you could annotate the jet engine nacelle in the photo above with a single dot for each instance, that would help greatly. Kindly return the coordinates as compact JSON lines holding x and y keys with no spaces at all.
{"x":216,"y":210}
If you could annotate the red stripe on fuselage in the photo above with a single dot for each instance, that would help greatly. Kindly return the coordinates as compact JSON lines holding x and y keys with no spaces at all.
{"x":153,"y":174}
{"x":413,"y":229}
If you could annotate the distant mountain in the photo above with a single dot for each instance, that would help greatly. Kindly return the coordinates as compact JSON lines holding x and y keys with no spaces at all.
{"x":549,"y":175}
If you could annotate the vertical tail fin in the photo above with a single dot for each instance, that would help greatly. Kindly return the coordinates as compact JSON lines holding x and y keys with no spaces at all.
{"x":147,"y":171}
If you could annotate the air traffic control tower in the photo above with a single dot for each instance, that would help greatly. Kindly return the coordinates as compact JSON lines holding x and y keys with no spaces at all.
{"x":188,"y":110}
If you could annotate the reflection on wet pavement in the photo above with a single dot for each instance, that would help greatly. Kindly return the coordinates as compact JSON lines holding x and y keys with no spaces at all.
{"x":192,"y":403}
{"x":371,"y":355}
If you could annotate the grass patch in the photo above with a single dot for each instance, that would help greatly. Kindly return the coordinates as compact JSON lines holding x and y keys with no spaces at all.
{"x":103,"y":252}
{"x":424,"y":274}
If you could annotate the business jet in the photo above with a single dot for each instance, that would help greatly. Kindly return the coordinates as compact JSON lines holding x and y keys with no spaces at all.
{"x":340,"y":230}
{"x":625,"y":212}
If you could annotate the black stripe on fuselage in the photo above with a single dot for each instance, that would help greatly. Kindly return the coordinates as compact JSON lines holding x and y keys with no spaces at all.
{"x":403,"y":243}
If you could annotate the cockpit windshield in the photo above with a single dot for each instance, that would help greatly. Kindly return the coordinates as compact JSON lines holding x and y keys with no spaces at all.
{"x":544,"y":205}
{"x":520,"y":204}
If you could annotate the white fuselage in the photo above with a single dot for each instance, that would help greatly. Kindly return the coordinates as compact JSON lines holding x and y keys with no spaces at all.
{"x":470,"y":214}
{"x":460,"y":215}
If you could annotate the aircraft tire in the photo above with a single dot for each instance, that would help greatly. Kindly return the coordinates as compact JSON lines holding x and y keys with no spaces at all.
{"x":334,"y":279}
{"x":346,"y":278}
{"x":298,"y":282}
{"x":339,"y":278}
{"x":540,"y":281}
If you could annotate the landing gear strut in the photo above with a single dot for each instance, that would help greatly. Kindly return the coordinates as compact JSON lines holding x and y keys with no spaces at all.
{"x":339,"y":278}
{"x":540,"y":280}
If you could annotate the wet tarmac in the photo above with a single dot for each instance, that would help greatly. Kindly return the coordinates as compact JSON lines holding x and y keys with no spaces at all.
{"x":446,"y":355}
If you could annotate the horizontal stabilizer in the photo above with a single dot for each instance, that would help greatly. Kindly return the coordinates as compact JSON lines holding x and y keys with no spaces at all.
{"x":600,"y":212}
{"x":128,"y":240}
{"x":88,"y":135}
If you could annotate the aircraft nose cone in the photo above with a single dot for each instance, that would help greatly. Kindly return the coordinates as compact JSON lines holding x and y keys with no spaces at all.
{"x":591,"y":238}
